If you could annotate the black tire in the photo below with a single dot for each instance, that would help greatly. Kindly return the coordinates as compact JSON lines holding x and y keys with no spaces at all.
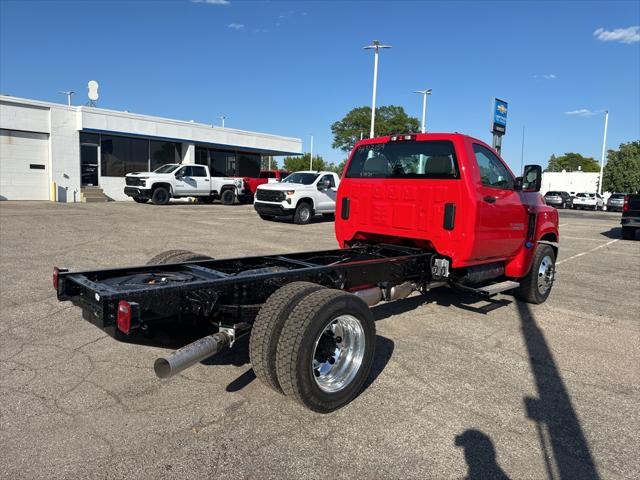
{"x":160,"y":196}
{"x":303,"y":213}
{"x":140,"y":200}
{"x":266,"y":217}
{"x":176,"y":256}
{"x":297,"y":345}
{"x":529,"y":291}
{"x":227,"y":197}
{"x":267,"y":327}
{"x":628,"y":233}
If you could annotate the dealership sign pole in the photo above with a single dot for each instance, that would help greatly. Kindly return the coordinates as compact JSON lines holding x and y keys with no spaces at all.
{"x":498,"y":122}
{"x":604,"y":145}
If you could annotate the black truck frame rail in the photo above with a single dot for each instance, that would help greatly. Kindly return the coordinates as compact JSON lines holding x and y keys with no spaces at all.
{"x":229,"y":292}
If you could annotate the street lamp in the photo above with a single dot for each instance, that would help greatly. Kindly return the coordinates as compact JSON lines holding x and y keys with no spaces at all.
{"x":375,"y":46}
{"x":424,"y":108}
{"x":68,"y":94}
{"x":311,"y":156}
{"x":604,"y":145}
{"x":222,"y":117}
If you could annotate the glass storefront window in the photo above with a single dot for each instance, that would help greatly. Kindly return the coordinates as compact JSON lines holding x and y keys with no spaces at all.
{"x":161,"y":153}
{"x":122,"y":155}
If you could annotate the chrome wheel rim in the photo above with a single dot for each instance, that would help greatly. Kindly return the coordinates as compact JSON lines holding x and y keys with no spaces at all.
{"x":337,"y":353}
{"x":546,"y":273}
{"x":304,"y":214}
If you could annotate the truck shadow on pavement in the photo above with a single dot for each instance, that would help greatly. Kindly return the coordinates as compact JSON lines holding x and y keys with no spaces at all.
{"x":615,"y":232}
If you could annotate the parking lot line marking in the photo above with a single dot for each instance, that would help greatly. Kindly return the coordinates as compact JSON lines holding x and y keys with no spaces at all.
{"x":563,"y":224}
{"x":583,"y":238}
{"x":588,"y":251}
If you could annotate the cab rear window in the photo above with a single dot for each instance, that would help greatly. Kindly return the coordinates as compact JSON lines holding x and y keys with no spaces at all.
{"x":404,"y":160}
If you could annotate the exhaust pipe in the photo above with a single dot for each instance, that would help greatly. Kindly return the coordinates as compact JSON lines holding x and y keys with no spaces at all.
{"x":191,"y":354}
{"x":398,"y":292}
{"x":371,"y":295}
{"x":374,"y":295}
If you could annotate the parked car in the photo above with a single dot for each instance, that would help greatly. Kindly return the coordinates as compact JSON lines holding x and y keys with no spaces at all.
{"x":615,"y":203}
{"x":588,"y":201}
{"x":301,"y":194}
{"x":175,"y":180}
{"x":630,"y":216}
{"x":558,"y":199}
{"x":265,"y":176}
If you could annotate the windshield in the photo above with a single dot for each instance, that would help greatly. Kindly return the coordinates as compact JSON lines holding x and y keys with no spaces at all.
{"x":617,"y":196}
{"x":168,"y":168}
{"x":301,"y":177}
{"x":554,"y":194}
{"x":406,"y":159}
{"x":586,"y":195}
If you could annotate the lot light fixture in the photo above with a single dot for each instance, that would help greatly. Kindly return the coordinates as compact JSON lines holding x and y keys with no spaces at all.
{"x":424,"y":93}
{"x":375,"y":46}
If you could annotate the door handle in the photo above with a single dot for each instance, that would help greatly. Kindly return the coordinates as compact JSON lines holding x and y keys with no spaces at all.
{"x":490,"y":199}
{"x":206,"y":179}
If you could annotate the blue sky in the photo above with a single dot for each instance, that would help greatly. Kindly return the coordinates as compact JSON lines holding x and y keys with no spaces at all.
{"x":293,"y":68}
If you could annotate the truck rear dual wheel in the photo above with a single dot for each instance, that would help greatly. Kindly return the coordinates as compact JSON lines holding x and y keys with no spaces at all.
{"x":325,"y":350}
{"x":536,"y":286}
{"x":160,"y":196}
{"x":267,"y":327}
{"x":177,"y":256}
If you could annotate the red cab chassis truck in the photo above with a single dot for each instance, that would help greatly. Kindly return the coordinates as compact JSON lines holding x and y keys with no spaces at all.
{"x":414,"y":212}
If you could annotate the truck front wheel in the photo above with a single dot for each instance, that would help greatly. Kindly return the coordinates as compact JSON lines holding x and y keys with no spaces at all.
{"x":268,"y":326}
{"x":535,"y":287}
{"x":227,"y":197}
{"x":302,"y":214}
{"x":160,"y":196}
{"x":326,"y":349}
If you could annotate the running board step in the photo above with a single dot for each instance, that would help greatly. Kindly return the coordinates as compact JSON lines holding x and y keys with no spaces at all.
{"x":488,"y":290}
{"x":495,"y":288}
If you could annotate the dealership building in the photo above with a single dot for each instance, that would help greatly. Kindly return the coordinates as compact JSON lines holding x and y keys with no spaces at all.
{"x":50,"y":151}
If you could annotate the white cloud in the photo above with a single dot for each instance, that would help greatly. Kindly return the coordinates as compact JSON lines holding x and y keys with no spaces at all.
{"x":583,"y":112}
{"x":623,"y":35}
{"x":546,"y":76}
{"x":212,"y":2}
{"x":236,"y":26}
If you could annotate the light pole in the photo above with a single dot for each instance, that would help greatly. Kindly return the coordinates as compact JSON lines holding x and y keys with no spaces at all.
{"x":311,"y":155}
{"x":222,"y":117}
{"x":424,"y":93}
{"x":604,"y":145}
{"x":375,"y":46}
{"x":522,"y":154}
{"x":68,"y":94}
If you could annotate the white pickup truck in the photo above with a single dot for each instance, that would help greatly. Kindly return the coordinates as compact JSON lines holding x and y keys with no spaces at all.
{"x":301,"y":194}
{"x":175,"y":180}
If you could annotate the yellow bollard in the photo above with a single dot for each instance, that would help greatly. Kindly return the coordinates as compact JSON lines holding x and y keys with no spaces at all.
{"x":53,"y":194}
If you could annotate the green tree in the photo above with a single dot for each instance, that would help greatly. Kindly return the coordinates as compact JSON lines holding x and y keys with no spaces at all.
{"x":570,"y":162}
{"x":622,"y":171}
{"x":264,"y":163}
{"x":301,"y":162}
{"x":337,"y":167}
{"x":390,"y":119}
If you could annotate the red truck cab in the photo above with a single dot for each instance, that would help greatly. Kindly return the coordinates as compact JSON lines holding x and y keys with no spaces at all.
{"x":445,"y":192}
{"x":265,"y":176}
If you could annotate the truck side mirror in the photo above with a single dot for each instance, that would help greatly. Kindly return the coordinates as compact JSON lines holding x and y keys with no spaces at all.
{"x":325,"y":184}
{"x":532,"y":178}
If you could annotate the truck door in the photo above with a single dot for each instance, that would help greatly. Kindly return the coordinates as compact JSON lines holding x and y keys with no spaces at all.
{"x":201,"y":177}
{"x":185,"y":184}
{"x":502,"y":219}
{"x":326,"y":196}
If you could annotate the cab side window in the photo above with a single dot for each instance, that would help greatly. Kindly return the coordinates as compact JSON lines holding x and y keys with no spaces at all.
{"x":331,"y":180}
{"x":198,"y":171}
{"x":492,"y":171}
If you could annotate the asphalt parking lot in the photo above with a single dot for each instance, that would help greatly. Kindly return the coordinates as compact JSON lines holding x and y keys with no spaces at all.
{"x":459,"y":387}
